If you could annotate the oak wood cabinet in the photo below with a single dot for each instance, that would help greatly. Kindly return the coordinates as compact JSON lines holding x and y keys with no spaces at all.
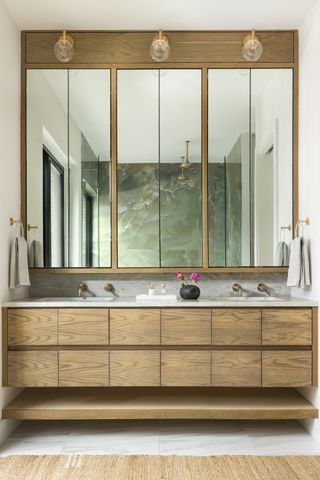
{"x":153,"y":347}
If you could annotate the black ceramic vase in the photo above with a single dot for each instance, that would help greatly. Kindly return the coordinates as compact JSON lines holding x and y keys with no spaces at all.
{"x":190,"y":292}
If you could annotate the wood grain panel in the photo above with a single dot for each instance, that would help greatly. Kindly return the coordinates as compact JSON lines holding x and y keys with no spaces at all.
{"x":236,"y":326}
{"x":315,"y":347}
{"x":83,"y":368}
{"x":32,"y":326}
{"x":118,"y":47}
{"x":83,"y":326}
{"x":236,"y":369}
{"x":135,"y":368}
{"x":132,"y":326}
{"x":186,"y":326}
{"x":33,"y":369}
{"x":4,"y":347}
{"x":287,"y":326}
{"x":156,"y":403}
{"x":286,"y":369}
{"x":185,"y":369}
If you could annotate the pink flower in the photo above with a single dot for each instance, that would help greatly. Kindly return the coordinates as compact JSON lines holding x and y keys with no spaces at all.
{"x":195,"y":277}
{"x":180,"y":276}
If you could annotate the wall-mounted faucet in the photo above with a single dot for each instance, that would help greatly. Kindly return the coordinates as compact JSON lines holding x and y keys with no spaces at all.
{"x":237,"y":288}
{"x":110,"y":288}
{"x":83,"y":287}
{"x":263,"y":288}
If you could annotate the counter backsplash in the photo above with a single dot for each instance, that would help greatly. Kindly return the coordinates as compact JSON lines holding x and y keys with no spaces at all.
{"x":128,"y":285}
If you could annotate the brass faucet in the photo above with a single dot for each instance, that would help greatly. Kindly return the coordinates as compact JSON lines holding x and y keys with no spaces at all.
{"x":83,"y":287}
{"x":110,"y":288}
{"x":237,"y":288}
{"x":262,"y":287}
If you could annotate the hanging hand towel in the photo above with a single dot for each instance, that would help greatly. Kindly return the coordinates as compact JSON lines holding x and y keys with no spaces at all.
{"x":294,"y":272}
{"x":19,"y":272}
{"x":305,"y":265}
{"x":282,"y":254}
{"x":36,"y":254}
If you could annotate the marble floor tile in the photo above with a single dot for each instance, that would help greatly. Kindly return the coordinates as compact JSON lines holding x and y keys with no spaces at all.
{"x":169,"y":437}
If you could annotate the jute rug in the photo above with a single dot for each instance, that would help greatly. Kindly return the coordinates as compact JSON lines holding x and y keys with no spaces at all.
{"x":76,"y":467}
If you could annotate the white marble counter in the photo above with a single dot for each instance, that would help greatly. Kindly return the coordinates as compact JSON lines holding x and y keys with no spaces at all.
{"x":127,"y":302}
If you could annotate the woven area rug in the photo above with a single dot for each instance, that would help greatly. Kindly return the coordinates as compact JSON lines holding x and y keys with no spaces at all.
{"x":76,"y":467}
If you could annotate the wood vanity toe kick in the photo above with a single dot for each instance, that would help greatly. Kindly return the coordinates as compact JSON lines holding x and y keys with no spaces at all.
{"x":155,"y":403}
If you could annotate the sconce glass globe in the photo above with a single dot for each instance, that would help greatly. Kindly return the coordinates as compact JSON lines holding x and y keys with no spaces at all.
{"x":64,"y":48}
{"x":160,"y":48}
{"x":252,"y":48}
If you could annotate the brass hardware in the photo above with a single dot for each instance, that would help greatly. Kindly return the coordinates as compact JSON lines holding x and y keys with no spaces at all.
{"x":31,"y":227}
{"x":262,"y":287}
{"x":288,"y":227}
{"x":13,"y":221}
{"x":237,"y":288}
{"x":110,"y":288}
{"x":83,"y":287}
{"x":185,"y":160}
{"x":306,"y":221}
{"x":64,"y":48}
{"x":160,"y":48}
{"x":252,"y":48}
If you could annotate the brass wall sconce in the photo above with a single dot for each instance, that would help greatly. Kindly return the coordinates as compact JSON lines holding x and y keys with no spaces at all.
{"x":160,"y":48}
{"x":64,"y":48}
{"x":252,"y":48}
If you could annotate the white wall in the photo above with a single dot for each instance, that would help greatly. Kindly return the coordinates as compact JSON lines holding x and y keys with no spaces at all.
{"x":309,"y":165}
{"x":9,"y":167}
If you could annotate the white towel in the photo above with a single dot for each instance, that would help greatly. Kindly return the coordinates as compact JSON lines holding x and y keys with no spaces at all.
{"x":19,"y":272}
{"x":282,"y":254}
{"x":305,"y":265}
{"x":294,"y":273}
{"x":299,"y":266}
{"x":36,"y":254}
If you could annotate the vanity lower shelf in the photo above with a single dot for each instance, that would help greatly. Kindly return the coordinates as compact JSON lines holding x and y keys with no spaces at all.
{"x":155,"y":403}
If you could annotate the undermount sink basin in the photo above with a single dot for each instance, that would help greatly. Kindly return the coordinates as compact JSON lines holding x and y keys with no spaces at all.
{"x":252,"y":299}
{"x":78,"y":299}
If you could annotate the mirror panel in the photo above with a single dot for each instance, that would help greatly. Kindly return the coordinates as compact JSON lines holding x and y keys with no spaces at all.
{"x":138,"y":168}
{"x":47,"y":167}
{"x":68,"y":168}
{"x":159,"y":167}
{"x":250,"y":166}
{"x":180,"y":177}
{"x":89,"y":168}
{"x":229,"y":167}
{"x":271,"y":100}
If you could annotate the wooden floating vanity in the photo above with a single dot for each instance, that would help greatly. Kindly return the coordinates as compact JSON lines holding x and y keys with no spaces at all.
{"x":242,"y":357}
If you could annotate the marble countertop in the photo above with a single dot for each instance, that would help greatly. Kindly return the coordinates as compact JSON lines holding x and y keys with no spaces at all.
{"x":124,"y":302}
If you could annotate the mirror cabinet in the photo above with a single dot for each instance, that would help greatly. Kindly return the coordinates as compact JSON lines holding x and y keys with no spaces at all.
{"x":159,"y":167}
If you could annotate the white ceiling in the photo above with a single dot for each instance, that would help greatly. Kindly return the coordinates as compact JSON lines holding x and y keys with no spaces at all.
{"x":155,"y":14}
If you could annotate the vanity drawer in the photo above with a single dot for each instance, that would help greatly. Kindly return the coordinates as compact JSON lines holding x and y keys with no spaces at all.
{"x":32,"y":326}
{"x":186,"y":326}
{"x":185,"y":368}
{"x":83,"y":326}
{"x":134,"y":368}
{"x":235,"y":368}
{"x":231,"y":326}
{"x":287,"y":326}
{"x":134,"y":326}
{"x":286,"y":368}
{"x":33,"y":369}
{"x":83,"y":368}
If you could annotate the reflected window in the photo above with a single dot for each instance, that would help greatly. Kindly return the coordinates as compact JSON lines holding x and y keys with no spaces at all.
{"x":53,"y":211}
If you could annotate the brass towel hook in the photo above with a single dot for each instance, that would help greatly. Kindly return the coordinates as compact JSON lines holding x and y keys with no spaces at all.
{"x":31,"y":227}
{"x":288,"y":227}
{"x":13,"y":221}
{"x":306,"y":221}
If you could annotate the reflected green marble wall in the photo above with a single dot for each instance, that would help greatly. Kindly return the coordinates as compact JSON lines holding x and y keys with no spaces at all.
{"x":159,"y":216}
